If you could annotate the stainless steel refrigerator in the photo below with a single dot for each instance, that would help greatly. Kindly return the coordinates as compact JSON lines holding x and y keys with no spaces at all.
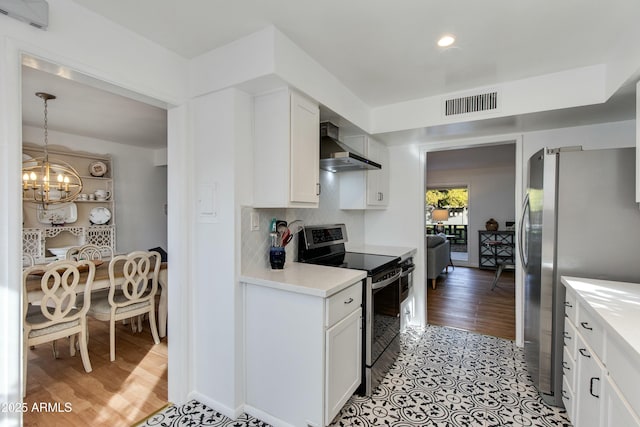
{"x":579,"y":219}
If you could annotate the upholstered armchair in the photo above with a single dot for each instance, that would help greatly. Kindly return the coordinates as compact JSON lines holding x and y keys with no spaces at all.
{"x":437,"y":257}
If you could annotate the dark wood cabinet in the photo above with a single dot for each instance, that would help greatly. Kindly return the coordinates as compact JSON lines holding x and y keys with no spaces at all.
{"x":495,"y":247}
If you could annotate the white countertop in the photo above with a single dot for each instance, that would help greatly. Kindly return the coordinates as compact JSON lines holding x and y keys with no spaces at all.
{"x":402,"y":252}
{"x":617,"y":303}
{"x":309,"y":279}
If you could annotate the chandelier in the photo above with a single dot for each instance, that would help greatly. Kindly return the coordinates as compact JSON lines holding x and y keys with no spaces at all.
{"x":45,"y":182}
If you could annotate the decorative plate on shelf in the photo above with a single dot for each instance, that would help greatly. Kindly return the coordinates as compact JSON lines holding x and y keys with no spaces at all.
{"x":58,"y":215}
{"x":99,"y":216}
{"x":97,"y":168}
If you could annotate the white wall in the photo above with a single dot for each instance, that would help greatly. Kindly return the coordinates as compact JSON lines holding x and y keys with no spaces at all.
{"x":607,"y":135}
{"x":579,"y":86}
{"x":402,"y":223}
{"x":140,"y":187}
{"x":491,"y":195}
{"x":216,"y":302}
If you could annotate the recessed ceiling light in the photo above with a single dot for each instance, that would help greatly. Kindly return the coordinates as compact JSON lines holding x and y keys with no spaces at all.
{"x":445,"y":41}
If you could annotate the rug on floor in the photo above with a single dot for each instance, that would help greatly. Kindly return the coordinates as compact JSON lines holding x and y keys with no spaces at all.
{"x":443,"y":377}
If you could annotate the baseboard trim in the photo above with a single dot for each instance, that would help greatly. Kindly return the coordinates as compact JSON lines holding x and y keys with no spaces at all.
{"x":265,"y":417}
{"x":228,"y":412}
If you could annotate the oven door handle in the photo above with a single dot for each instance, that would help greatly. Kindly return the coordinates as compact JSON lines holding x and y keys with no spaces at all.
{"x":409,"y":270}
{"x":381,"y":284}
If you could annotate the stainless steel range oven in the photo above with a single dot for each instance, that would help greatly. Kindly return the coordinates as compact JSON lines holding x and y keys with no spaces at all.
{"x":324,"y":245}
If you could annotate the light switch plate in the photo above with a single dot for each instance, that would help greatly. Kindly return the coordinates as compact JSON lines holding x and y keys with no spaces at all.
{"x":255,"y":221}
{"x":207,"y":203}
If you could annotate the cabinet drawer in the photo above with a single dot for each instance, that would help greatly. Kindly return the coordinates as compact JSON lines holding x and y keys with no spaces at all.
{"x":344,"y":302}
{"x":568,"y":399}
{"x":570,"y":305}
{"x":591,"y":330}
{"x":569,"y":368}
{"x":570,"y":341}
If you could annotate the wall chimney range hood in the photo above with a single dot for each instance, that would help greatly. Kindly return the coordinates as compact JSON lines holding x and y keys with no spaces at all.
{"x":335,"y":156}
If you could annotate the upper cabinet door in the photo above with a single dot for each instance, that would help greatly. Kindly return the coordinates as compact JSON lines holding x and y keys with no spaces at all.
{"x":378,"y":180}
{"x":366,"y":189}
{"x":305,"y":150}
{"x":286,"y":150}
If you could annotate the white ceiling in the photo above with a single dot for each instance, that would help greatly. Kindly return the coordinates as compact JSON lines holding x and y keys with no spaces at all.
{"x":85,"y":110}
{"x":384,"y":51}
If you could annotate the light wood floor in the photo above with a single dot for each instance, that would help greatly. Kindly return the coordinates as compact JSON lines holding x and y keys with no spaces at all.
{"x":464,"y":299}
{"x":115,"y":393}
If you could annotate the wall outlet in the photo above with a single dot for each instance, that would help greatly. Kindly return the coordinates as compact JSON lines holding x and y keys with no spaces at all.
{"x":255,"y":221}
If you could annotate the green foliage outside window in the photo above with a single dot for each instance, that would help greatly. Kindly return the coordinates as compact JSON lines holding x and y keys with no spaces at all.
{"x":448,"y":198}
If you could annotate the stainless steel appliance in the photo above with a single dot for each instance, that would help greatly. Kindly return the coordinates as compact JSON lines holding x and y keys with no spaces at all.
{"x":324,"y":245}
{"x":335,"y":156}
{"x":406,"y":286}
{"x":579,"y":219}
{"x":406,"y":277}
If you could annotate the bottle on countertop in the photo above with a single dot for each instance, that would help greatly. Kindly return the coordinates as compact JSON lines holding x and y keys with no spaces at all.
{"x":273,"y":235}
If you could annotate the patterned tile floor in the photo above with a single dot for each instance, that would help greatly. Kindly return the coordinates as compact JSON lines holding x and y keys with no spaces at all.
{"x":443,"y":377}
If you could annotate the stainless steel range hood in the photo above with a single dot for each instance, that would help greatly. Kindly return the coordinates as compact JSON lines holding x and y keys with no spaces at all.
{"x":336,"y":156}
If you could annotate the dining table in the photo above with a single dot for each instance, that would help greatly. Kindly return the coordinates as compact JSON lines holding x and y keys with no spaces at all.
{"x":101,"y":281}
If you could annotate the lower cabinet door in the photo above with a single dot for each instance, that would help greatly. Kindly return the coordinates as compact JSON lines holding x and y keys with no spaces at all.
{"x":589,"y":387}
{"x":343,"y":362}
{"x":617,"y":409}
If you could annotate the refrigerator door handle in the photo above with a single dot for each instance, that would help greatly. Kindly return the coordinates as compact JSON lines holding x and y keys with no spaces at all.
{"x":524,"y":257}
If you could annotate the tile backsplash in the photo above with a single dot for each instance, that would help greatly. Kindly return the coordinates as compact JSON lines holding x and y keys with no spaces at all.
{"x":255,"y":244}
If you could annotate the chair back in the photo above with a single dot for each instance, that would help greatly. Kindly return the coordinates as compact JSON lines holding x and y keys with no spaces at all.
{"x":59,"y":287}
{"x":89,"y":252}
{"x":139,"y":281}
{"x":27,"y":260}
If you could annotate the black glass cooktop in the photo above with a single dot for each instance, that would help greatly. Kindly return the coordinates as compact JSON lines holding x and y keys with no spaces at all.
{"x":371,"y":263}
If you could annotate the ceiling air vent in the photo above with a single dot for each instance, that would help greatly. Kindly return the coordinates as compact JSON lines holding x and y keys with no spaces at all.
{"x":471,"y":104}
{"x":32,"y":12}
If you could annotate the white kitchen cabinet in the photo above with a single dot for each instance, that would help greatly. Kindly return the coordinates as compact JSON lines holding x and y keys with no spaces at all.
{"x":286,"y":150}
{"x":600,"y":373}
{"x":617,"y":409}
{"x":588,"y":393}
{"x":303,"y":353}
{"x":344,"y":362}
{"x":366,"y":189}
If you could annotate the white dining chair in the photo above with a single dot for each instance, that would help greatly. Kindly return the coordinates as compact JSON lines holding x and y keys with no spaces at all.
{"x":130,"y":296}
{"x":90,"y":252}
{"x":58,"y":315}
{"x":27,"y":260}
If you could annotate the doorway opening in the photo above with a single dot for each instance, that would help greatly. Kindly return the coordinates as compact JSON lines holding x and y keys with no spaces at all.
{"x":479,"y":182}
{"x":94,"y":117}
